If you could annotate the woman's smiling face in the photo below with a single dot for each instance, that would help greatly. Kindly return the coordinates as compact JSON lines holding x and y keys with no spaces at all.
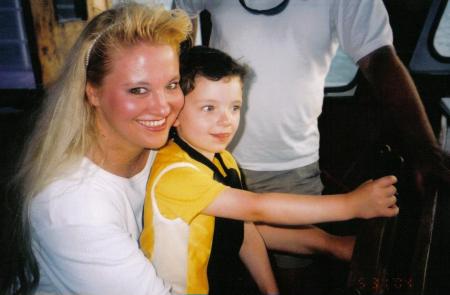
{"x":139,"y":99}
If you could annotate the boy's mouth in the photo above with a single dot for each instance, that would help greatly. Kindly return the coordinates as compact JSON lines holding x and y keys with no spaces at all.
{"x":221,"y":136}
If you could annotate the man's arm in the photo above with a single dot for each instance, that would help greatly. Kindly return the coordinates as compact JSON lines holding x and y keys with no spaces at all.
{"x":397,"y":93}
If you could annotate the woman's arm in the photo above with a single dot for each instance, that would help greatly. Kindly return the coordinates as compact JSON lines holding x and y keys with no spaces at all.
{"x":254,"y":255}
{"x":372,"y":199}
{"x":98,"y":259}
{"x":84,"y":245}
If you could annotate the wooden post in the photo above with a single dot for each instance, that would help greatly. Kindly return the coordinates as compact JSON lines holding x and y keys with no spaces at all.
{"x":54,"y":39}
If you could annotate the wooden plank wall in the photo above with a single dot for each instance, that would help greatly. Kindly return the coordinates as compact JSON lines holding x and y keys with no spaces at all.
{"x":55,"y":39}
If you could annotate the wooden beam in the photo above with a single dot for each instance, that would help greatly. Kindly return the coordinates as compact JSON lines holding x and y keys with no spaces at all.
{"x":54,"y":39}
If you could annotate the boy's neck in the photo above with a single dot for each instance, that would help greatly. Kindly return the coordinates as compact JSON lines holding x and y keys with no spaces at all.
{"x":208,"y":155}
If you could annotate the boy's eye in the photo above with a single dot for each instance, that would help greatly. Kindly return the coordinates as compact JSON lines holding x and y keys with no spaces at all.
{"x":236,"y":108}
{"x":173,"y":85}
{"x":138,"y":90}
{"x":208,"y":108}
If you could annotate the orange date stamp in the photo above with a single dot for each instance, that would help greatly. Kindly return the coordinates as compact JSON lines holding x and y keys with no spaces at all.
{"x":390,"y":283}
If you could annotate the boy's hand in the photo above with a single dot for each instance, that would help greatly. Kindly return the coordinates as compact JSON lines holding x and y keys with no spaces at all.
{"x":375,"y":198}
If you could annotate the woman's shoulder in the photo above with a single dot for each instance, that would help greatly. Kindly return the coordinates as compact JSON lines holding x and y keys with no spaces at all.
{"x":83,"y":195}
{"x":77,"y":181}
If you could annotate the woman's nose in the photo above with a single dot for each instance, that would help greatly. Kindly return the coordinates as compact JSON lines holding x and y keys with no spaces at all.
{"x":158,"y":104}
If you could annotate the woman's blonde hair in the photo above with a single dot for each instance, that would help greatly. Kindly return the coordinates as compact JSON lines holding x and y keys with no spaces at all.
{"x":65,"y":128}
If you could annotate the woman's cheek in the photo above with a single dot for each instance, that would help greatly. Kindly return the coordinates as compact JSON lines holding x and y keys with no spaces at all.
{"x":177,"y":103}
{"x":129,"y":106}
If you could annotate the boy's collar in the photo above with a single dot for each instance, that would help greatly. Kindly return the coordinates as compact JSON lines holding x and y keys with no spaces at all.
{"x":231,"y":177}
{"x":196,"y":155}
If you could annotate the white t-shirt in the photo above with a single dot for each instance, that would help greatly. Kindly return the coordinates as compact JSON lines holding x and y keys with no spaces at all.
{"x":289,"y":55}
{"x":85,"y":230}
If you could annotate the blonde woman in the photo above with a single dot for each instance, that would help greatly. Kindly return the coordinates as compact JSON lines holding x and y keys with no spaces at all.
{"x":87,"y":162}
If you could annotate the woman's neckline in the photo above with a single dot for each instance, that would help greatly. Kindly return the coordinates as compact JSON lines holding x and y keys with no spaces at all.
{"x":118,"y":169}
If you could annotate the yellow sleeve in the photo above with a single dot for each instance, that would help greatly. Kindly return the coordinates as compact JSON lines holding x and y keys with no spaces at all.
{"x":184,"y":192}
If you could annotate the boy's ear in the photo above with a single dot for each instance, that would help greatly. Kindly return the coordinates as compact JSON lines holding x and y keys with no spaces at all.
{"x":92,"y":94}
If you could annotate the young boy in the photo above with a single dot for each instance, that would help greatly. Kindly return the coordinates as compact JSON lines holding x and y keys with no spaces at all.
{"x":194,"y":179}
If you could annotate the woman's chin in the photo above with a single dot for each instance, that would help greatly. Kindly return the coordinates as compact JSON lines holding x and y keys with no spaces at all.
{"x":157,"y":144}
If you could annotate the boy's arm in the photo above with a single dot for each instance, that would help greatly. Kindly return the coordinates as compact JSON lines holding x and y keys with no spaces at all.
{"x":307,"y":240}
{"x":254,"y":255}
{"x":372,"y":199}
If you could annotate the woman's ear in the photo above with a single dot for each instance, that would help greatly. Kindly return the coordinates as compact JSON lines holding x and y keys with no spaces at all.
{"x":92,"y":94}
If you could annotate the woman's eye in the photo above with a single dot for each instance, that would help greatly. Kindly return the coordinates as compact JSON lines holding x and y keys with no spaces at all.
{"x":208,"y":108}
{"x":173,"y":85}
{"x":236,"y":108}
{"x":138,"y":90}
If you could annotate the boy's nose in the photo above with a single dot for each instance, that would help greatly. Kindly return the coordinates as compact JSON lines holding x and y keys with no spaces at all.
{"x":225,"y":118}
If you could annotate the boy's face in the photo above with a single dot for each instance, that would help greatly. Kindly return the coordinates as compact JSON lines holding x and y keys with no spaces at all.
{"x":211,"y":113}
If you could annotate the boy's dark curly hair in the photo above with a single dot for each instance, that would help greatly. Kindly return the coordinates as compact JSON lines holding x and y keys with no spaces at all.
{"x":207,"y":62}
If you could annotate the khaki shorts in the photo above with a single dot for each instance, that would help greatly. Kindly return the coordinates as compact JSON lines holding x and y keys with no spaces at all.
{"x":303,"y":180}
